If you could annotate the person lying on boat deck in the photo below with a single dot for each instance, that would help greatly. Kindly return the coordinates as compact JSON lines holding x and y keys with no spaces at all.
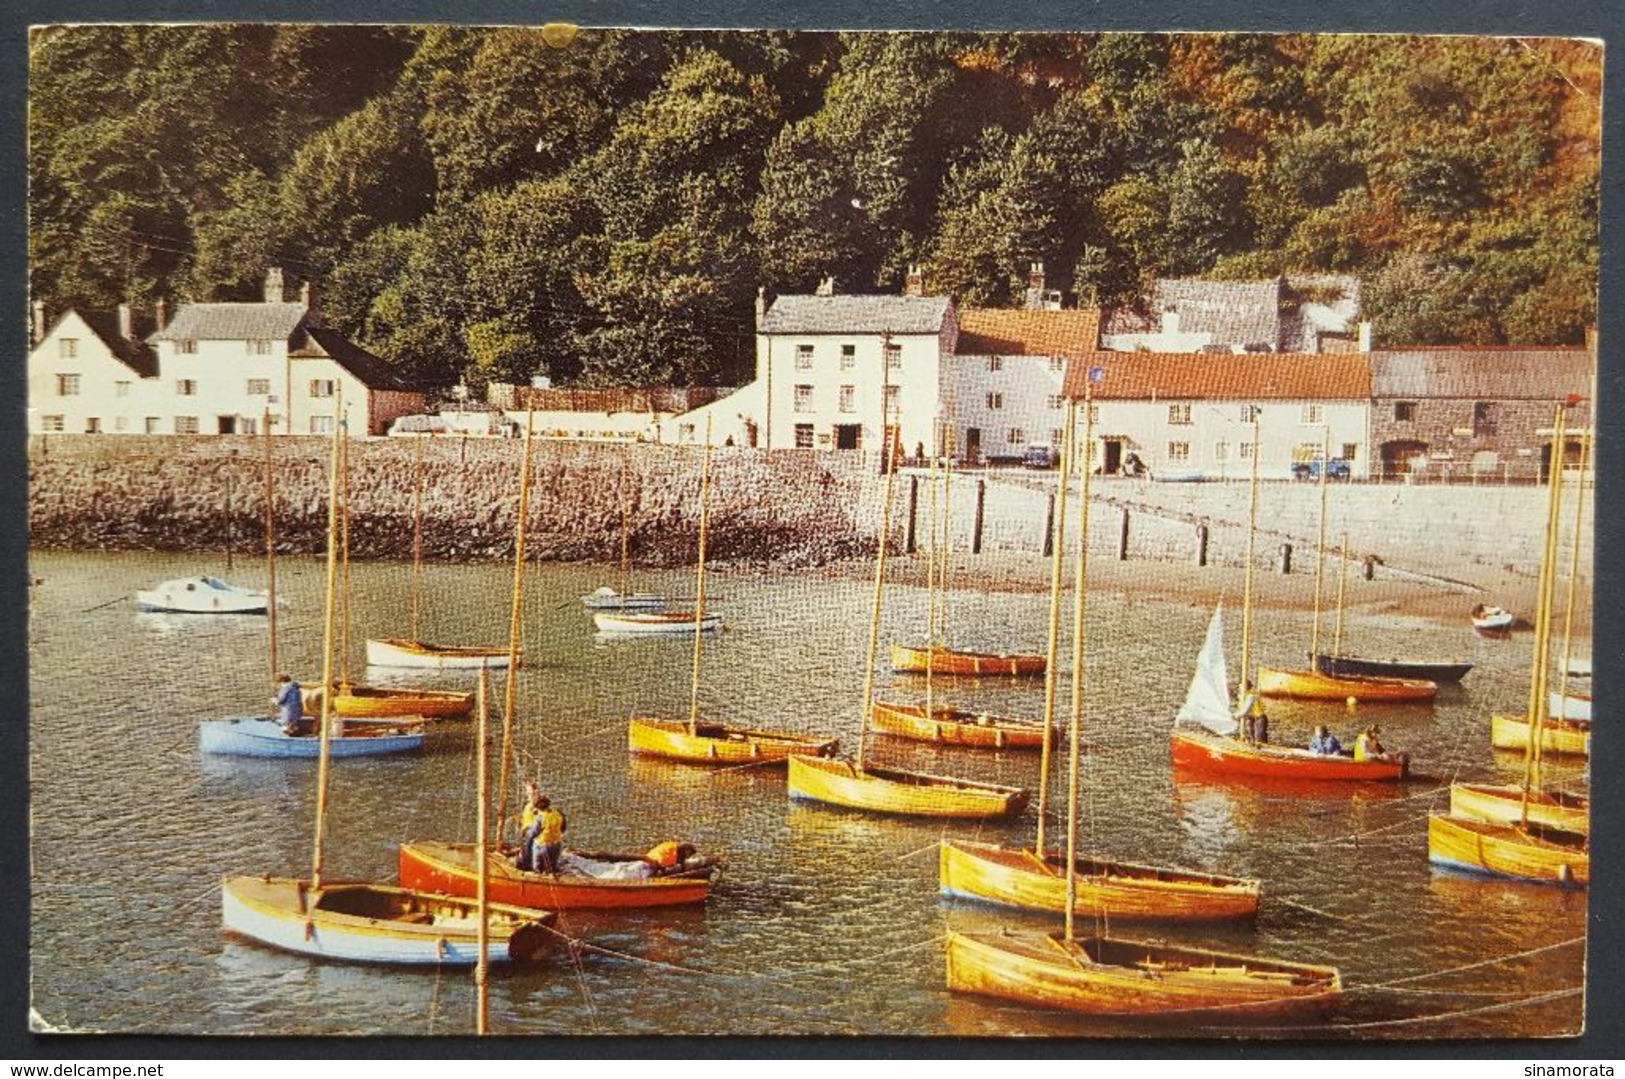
{"x":1325,"y":743}
{"x":548,"y":843}
{"x":668,"y":855}
{"x":290,"y":705}
{"x":1367,"y":747}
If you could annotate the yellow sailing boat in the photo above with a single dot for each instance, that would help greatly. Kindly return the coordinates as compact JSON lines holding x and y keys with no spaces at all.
{"x":1482,"y":833}
{"x":1035,"y":877}
{"x":854,"y":784}
{"x":708,"y":742}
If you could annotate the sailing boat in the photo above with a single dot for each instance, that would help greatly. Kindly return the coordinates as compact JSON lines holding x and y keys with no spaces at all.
{"x":931,"y":721}
{"x":1339,"y":664}
{"x":1206,"y":743}
{"x":1036,"y":877}
{"x":623,"y":598}
{"x":363,"y":922}
{"x":1521,"y":830}
{"x":621,"y":880}
{"x":1318,"y":684}
{"x":887,"y":790}
{"x":714,"y":743}
{"x":1102,"y":975}
{"x":262,"y":736}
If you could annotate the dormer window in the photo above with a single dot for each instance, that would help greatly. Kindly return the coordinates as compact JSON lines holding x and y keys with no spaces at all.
{"x":185,"y":347}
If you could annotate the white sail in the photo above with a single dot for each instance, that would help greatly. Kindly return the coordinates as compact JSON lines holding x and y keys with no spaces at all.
{"x":1208,"y":700}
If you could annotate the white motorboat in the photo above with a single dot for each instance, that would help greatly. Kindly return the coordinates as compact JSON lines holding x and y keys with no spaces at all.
{"x":201,"y":595}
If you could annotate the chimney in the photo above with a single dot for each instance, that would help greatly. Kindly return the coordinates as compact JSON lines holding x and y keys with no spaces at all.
{"x":38,"y":324}
{"x":761,"y":305}
{"x":273,"y":285}
{"x":313,"y":309}
{"x":914,"y":283}
{"x":160,"y":313}
{"x":1365,"y":336}
{"x":826,"y":287}
{"x":124,"y":329}
{"x":1035,"y":286}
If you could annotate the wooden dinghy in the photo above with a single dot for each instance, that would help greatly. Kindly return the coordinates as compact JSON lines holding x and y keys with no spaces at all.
{"x":889,"y":790}
{"x":377,"y":923}
{"x":1202,"y":752}
{"x":654,"y":622}
{"x":1157,"y":981}
{"x":1314,"y":686}
{"x":1020,"y":878}
{"x":1565,"y":737}
{"x":261,"y":736}
{"x":1504,"y":804}
{"x":1569,"y":705}
{"x":423,"y":655}
{"x":379,"y":702}
{"x":955,"y":727}
{"x":713,"y":743}
{"x":608,"y":599}
{"x":453,"y":868}
{"x":906,"y":659}
{"x":1542,"y":855}
{"x":1492,"y":621}
{"x":1357,"y":667}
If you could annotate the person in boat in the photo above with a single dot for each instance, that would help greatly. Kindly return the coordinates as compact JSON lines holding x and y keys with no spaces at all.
{"x":548,"y":843}
{"x":668,"y":855}
{"x":1367,"y":747}
{"x":1255,"y":722}
{"x":1325,"y":743}
{"x":290,"y":705}
{"x":529,"y":824}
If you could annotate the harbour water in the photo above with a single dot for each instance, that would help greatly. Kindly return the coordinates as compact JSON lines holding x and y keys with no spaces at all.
{"x":825,"y":921}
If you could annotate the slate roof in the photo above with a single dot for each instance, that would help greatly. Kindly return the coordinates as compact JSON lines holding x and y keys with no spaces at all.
{"x":1252,"y":376}
{"x":232,"y":322}
{"x":137,"y":355}
{"x":1476,"y":372}
{"x":856,"y":314}
{"x":373,"y":372}
{"x":1246,"y":313}
{"x":1004,"y":332}
{"x":1326,"y":303}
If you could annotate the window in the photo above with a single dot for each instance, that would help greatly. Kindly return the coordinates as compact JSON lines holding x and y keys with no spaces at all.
{"x":185,"y":348}
{"x":186,"y":387}
{"x":804,"y":355}
{"x":1094,"y":413}
{"x":894,"y":357}
{"x":803,"y":399}
{"x":1351,"y":451}
{"x":1015,"y":436}
{"x":186,"y":425}
{"x":1180,"y":416}
{"x":121,"y":389}
{"x":1246,"y":451}
{"x":1249,"y":413}
{"x":1057,"y":438}
{"x":848,"y":400}
{"x":1221,"y":451}
{"x":246,"y":426}
{"x":1056,"y":401}
{"x":259,"y":348}
{"x":67,"y":385}
{"x":804,"y":436}
{"x":1179,"y":451}
{"x":259,"y":387}
{"x":321,"y":387}
{"x":68,"y":348}
{"x":1057,"y":363}
{"x":995,"y":401}
{"x":93,"y":425}
{"x":152,"y":425}
{"x":891,"y":399}
{"x":849,"y":357}
{"x":1314,"y":413}
{"x":52,"y":423}
{"x":995,"y":363}
{"x":1404,"y":411}
{"x":1484,"y":418}
{"x":321,"y":425}
{"x":121,"y":423}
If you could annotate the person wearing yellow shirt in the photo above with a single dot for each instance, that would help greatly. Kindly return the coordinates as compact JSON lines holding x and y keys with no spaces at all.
{"x":1367,"y":747}
{"x":549,"y":841}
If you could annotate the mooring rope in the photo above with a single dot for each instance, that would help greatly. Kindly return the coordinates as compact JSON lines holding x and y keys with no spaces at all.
{"x":1482,"y":963}
{"x":1415,"y":1020}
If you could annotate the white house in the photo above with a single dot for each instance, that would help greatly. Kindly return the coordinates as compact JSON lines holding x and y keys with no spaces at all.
{"x":1306,"y":313}
{"x":1191,"y":415}
{"x":90,"y":373}
{"x":1005,"y":378}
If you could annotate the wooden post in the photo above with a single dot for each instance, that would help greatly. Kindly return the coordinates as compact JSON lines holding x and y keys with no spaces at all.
{"x":1049,"y":527}
{"x":1122,"y":537}
{"x":913,"y":511}
{"x":1201,"y":545}
{"x":976,"y":525}
{"x":1368,"y":568}
{"x":1283,"y":560}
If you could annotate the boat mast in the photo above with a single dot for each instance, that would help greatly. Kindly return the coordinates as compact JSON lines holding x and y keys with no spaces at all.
{"x":1543,"y":617}
{"x":482,"y":964}
{"x":323,"y":734}
{"x":699,"y":585}
{"x":1245,"y":682}
{"x":889,"y":460}
{"x":344,"y":529}
{"x":517,"y":604}
{"x":1081,"y":574}
{"x":270,"y":547}
{"x":947,"y":532}
{"x":1320,"y":547}
{"x":1574,"y":565}
{"x":1342,"y":587}
{"x":931,"y":584}
{"x":626,"y":530}
{"x":1052,"y":653}
{"x":417,"y":536}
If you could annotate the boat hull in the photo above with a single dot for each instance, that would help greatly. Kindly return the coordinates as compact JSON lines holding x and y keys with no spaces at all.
{"x":838,"y":782}
{"x":955,"y":727}
{"x":377,"y":702}
{"x":1565,"y":737}
{"x":366,"y":923}
{"x":1314,"y":686}
{"x":453,"y":869}
{"x":1506,"y":850}
{"x":714,"y":743}
{"x":1166,"y":984}
{"x":909,"y":659}
{"x":1355,"y":667}
{"x":422,"y":655}
{"x":260,"y":736}
{"x":1504,"y":804}
{"x":1020,"y":878}
{"x":654,"y":624}
{"x":1197,"y":752}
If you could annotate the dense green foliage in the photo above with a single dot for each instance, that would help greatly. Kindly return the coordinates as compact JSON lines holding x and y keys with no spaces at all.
{"x":475,"y":204}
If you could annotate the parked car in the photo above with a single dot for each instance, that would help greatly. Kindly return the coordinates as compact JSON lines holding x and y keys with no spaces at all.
{"x":1309,"y":469}
{"x":1039,"y":455}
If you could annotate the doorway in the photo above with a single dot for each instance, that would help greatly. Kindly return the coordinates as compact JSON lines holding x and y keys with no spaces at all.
{"x":1111,"y":457}
{"x":848,"y":436}
{"x":228,"y":425}
{"x":973,"y":445}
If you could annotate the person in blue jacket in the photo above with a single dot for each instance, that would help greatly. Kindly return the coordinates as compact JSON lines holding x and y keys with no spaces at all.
{"x":290,"y":704}
{"x":1325,"y":743}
